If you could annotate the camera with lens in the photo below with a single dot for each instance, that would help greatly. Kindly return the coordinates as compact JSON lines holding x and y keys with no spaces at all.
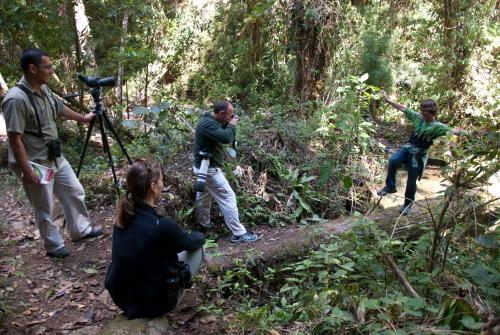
{"x":184,"y":273}
{"x":97,"y":81}
{"x":202,"y":171}
{"x":54,"y":147}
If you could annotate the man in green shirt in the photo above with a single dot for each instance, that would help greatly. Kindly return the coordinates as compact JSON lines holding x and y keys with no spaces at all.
{"x":30,"y":111}
{"x":212,"y":132}
{"x":414,"y":152}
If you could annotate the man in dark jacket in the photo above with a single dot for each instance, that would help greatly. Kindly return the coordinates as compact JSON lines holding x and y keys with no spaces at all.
{"x":212,"y":132}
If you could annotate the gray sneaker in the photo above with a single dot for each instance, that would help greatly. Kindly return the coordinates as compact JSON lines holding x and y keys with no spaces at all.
{"x":405,"y":209}
{"x":385,"y":191}
{"x":245,"y":238}
{"x":59,"y":253}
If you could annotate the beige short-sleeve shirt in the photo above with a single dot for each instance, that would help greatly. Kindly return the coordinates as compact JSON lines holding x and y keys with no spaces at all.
{"x":20,"y":117}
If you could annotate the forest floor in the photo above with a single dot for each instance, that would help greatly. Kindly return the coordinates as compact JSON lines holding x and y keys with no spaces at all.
{"x":68,"y":297}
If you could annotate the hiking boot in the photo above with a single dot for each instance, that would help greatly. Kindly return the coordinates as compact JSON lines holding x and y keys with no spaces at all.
{"x":385,"y":191}
{"x":245,"y":238}
{"x":59,"y":253}
{"x":96,"y":231}
{"x":405,"y":209}
{"x":209,"y":225}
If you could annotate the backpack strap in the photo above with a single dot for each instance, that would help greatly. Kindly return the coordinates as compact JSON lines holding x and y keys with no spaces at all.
{"x":31,"y":98}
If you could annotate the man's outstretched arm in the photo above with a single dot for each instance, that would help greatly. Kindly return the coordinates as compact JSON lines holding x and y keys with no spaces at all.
{"x":394,"y":104}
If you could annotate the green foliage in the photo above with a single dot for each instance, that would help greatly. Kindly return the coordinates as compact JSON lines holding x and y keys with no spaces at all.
{"x":158,"y":130}
{"x":25,"y":24}
{"x":247,"y":56}
{"x":345,"y":121}
{"x":239,"y":281}
{"x":345,"y":285}
{"x":374,"y":60}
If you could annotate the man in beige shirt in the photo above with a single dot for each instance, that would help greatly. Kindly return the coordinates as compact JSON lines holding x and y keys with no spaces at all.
{"x":30,"y":110}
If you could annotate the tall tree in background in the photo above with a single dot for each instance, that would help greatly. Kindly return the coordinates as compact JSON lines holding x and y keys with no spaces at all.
{"x":462,"y":23}
{"x":313,"y":28}
{"x":123,"y":38}
{"x":84,"y":42}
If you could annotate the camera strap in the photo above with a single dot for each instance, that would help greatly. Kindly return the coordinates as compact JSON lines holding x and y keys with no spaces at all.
{"x":31,"y":98}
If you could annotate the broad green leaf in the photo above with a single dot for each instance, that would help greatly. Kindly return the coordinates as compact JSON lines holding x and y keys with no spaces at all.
{"x":339,"y":274}
{"x":49,"y":293}
{"x":306,"y":179}
{"x":155,"y":109}
{"x":347,"y":181}
{"x":140,"y":110}
{"x":302,"y":202}
{"x":165,"y":105}
{"x":325,"y":174}
{"x":285,"y":289}
{"x":129,"y":123}
{"x":469,"y":322}
{"x":487,"y":241}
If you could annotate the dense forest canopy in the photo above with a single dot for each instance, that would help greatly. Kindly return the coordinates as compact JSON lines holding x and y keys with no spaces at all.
{"x":306,"y":78}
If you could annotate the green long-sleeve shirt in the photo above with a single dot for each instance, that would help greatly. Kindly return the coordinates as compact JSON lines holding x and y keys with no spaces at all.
{"x":210,"y":136}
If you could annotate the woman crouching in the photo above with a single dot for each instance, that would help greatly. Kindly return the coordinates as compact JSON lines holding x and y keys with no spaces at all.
{"x":153,"y":258}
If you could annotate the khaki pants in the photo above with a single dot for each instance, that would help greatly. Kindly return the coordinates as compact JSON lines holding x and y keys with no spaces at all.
{"x":66,"y":187}
{"x":218,"y":187}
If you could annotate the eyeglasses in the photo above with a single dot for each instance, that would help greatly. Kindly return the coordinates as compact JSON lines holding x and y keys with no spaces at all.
{"x":47,"y":67}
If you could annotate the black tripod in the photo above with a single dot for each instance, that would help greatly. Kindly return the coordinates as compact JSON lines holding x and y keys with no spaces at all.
{"x":104,"y":123}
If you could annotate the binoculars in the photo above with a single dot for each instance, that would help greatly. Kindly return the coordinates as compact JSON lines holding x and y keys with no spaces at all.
{"x":202,"y":171}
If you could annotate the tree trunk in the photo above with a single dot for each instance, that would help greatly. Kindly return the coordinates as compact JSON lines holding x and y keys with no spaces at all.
{"x":84,"y":35}
{"x":457,"y":48}
{"x":79,"y":66}
{"x":312,"y":46}
{"x":127,"y":100}
{"x":119,"y":81}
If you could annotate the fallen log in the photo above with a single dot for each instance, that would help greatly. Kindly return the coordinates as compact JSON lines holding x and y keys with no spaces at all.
{"x":281,"y":245}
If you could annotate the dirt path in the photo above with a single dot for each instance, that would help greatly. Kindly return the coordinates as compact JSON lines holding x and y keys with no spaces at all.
{"x":44,"y":296}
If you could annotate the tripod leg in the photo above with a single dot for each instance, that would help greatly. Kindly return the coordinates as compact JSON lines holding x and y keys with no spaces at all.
{"x":105,"y":145}
{"x":378,"y":202}
{"x":87,"y":139}
{"x":112,"y":129}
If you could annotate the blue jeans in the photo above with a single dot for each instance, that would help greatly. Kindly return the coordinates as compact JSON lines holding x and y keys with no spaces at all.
{"x":403,"y":156}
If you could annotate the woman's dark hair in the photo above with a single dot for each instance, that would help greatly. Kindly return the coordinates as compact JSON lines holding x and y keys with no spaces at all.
{"x":430,"y":106}
{"x":139,"y":177}
{"x":31,"y":56}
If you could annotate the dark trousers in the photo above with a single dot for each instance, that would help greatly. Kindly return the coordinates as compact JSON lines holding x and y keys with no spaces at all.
{"x":403,"y":156}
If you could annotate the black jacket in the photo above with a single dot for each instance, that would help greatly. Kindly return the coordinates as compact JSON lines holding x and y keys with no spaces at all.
{"x":143,"y":254}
